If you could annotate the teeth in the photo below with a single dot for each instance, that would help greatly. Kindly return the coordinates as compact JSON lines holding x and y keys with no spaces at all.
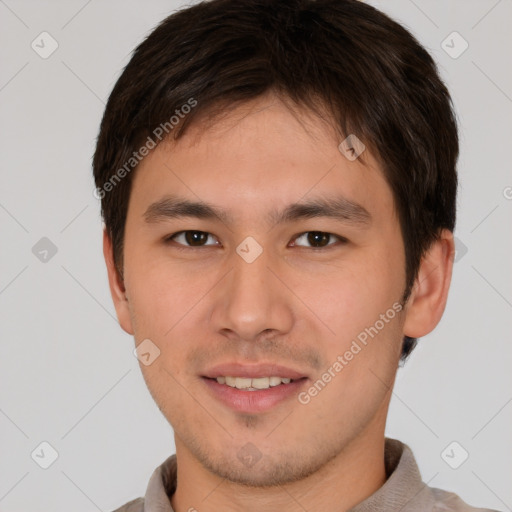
{"x":242,"y":383}
{"x":261,"y":383}
{"x":275,"y":381}
{"x":253,"y":384}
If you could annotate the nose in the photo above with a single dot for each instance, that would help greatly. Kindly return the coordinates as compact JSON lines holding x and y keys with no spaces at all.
{"x":251,"y":300}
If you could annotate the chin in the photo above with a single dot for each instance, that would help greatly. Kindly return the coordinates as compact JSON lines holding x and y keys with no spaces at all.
{"x":251,"y":468}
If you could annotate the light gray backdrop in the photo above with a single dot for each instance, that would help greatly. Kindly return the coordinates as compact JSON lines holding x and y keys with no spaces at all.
{"x":68,"y":375}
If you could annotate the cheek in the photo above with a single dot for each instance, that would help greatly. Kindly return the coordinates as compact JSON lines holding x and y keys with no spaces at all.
{"x":160,"y":294}
{"x":352,"y":297}
{"x":359,"y":373}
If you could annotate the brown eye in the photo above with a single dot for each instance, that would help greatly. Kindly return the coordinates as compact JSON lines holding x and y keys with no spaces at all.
{"x":317,"y":239}
{"x":191,"y":238}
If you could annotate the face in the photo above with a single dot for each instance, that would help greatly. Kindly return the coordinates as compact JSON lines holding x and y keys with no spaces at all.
{"x":264,"y":280}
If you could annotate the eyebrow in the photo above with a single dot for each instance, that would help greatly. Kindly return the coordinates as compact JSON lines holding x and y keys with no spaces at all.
{"x":338,"y":208}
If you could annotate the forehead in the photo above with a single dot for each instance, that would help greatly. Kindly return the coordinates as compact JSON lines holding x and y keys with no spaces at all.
{"x":258,"y":153}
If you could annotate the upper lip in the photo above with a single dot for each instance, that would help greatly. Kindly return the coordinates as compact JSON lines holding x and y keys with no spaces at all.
{"x":253,"y":371}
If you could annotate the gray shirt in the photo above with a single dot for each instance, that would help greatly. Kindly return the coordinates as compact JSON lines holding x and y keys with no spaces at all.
{"x":403,"y":490}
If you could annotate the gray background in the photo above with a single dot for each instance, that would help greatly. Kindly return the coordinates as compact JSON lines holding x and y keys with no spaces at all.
{"x":68,"y":375}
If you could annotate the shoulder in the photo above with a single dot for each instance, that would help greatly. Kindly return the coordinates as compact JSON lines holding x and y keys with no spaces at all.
{"x":449,"y":502}
{"x":136,"y":505}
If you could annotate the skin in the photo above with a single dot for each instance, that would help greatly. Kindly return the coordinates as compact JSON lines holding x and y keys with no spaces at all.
{"x":294,"y":305}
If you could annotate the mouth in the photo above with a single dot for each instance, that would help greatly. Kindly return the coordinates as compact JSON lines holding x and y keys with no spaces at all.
{"x":254,"y":384}
{"x":253,"y":389}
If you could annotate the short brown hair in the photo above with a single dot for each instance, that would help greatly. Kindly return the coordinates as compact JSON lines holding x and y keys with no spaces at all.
{"x":366,"y":70}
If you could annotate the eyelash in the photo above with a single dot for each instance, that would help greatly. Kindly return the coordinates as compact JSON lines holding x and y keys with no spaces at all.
{"x":180,"y":246}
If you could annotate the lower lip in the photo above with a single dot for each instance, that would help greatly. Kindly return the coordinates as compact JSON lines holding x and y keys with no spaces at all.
{"x":254,"y":401}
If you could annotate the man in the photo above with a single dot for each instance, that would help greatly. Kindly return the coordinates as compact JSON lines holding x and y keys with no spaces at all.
{"x":278,"y":187}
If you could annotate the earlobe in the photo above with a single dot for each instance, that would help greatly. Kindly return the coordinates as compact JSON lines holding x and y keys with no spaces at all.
{"x":427,"y":302}
{"x":117,"y":287}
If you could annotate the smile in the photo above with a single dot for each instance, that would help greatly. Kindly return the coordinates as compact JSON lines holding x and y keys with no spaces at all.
{"x":253,"y":384}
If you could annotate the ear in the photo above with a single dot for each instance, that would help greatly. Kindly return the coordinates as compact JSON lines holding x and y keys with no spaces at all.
{"x":117,"y":288}
{"x":426,"y":304}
